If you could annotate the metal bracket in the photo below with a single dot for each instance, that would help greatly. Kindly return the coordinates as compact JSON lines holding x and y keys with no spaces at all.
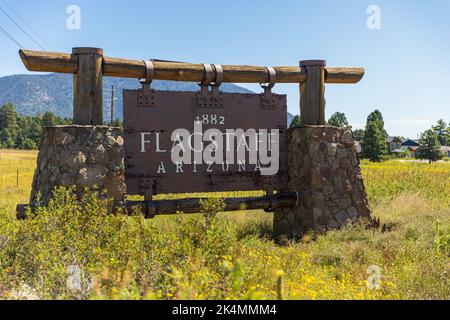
{"x":146,"y":95}
{"x":216,"y":93}
{"x":269,"y":184}
{"x":204,"y":97}
{"x":211,"y":98}
{"x":267,"y":98}
{"x":144,"y":185}
{"x":148,"y":188}
{"x":273,"y":204}
{"x":268,"y":101}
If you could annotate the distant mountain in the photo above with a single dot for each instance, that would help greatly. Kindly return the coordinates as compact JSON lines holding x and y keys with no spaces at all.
{"x":33,"y":94}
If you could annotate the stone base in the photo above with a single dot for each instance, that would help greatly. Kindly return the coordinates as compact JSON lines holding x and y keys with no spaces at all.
{"x":87,"y":157}
{"x":324,"y":170}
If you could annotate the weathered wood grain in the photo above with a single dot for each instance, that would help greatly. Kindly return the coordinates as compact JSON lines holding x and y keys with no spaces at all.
{"x":312,"y":94}
{"x":118,"y":67}
{"x":88,"y":88}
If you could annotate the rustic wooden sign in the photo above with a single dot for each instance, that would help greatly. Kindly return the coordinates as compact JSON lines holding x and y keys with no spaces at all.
{"x":220,"y":130}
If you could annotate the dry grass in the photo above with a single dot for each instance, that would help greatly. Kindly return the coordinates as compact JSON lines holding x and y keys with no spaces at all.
{"x":13,"y":164}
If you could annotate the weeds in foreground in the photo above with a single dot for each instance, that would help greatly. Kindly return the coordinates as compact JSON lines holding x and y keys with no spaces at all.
{"x":442,"y":239}
{"x":73,"y":250}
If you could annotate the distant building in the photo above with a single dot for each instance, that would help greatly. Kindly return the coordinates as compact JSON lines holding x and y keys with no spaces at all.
{"x":411,"y":143}
{"x":406,"y":151}
{"x":394,"y":143}
{"x":408,"y":148}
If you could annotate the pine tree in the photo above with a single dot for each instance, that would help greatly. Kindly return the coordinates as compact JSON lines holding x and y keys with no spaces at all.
{"x":376,"y":116}
{"x":29,"y":144}
{"x":430,"y":147}
{"x":6,"y":139}
{"x":8,"y":120}
{"x":117,"y":123}
{"x":359,"y":134}
{"x":443,"y":132}
{"x":49,"y":120}
{"x":374,"y":140}
{"x":339,"y":120}
{"x":35,"y":130}
{"x":296,"y":122}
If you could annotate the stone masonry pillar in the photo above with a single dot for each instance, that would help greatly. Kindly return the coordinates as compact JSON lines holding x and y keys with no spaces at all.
{"x":83,"y":156}
{"x":324,"y":170}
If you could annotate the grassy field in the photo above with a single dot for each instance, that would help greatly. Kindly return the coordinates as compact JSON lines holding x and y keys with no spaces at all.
{"x":13,"y":164}
{"x":232,"y":256}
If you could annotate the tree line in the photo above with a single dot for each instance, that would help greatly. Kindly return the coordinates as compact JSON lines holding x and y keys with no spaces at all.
{"x":374,"y":137}
{"x":24,"y":132}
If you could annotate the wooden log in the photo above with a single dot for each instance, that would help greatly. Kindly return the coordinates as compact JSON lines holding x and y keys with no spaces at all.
{"x":190,"y":206}
{"x":125,"y":68}
{"x":43,"y":61}
{"x":343,"y":75}
{"x":312,"y":93}
{"x":88,"y":87}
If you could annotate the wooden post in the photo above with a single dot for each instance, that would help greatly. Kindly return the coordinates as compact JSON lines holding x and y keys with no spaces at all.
{"x":312,"y":93}
{"x":88,"y":87}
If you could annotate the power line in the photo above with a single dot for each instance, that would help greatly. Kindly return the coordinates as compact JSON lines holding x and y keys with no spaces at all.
{"x":27,"y":25}
{"x":23,"y":30}
{"x":10,"y":37}
{"x":112,"y":104}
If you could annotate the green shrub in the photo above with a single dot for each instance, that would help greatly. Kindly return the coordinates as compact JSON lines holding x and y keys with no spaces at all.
{"x":76,"y":250}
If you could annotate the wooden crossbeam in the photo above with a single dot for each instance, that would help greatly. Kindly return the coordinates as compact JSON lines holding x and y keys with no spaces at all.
{"x":125,"y":68}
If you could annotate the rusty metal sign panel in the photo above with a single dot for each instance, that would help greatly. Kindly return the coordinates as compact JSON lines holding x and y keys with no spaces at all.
{"x":207,"y":141}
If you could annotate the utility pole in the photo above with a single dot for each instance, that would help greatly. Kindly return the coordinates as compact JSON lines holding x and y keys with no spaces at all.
{"x":112,"y":105}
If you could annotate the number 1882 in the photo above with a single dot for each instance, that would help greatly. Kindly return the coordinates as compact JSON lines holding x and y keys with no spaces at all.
{"x":210,"y":119}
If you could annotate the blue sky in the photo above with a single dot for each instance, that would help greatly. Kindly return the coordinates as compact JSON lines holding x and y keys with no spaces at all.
{"x":407,"y":61}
